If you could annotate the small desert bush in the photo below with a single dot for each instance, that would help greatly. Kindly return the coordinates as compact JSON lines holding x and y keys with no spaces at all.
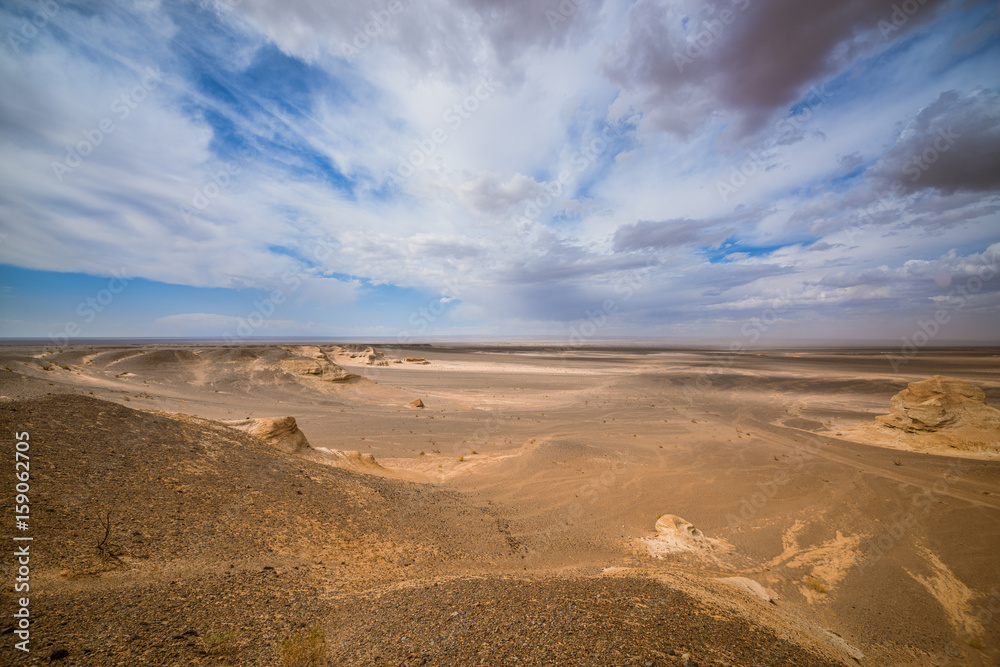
{"x":219,"y":642}
{"x":816,"y":586}
{"x":304,"y":650}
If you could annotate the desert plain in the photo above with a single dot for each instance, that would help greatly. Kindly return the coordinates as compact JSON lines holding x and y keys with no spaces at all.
{"x":537,"y":505}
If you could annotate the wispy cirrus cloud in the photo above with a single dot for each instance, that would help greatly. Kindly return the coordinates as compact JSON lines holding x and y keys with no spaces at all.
{"x":234,"y":149}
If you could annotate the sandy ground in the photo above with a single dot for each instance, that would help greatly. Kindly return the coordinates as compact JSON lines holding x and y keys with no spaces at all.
{"x":863,"y":554}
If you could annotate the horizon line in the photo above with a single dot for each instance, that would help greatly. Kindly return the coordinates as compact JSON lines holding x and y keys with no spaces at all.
{"x":693,"y":343}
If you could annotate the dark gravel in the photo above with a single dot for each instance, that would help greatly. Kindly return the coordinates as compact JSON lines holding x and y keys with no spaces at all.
{"x":220,"y":549}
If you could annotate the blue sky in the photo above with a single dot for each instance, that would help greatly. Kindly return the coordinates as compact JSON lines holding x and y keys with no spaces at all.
{"x":671,"y":170}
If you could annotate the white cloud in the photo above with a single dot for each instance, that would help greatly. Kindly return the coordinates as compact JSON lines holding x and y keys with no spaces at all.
{"x":314,"y":194}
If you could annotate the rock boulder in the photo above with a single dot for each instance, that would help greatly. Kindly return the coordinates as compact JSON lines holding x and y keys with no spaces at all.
{"x":279,"y":432}
{"x":947,"y":407}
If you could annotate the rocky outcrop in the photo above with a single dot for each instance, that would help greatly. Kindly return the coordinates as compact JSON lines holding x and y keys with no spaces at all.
{"x":674,"y":534}
{"x":349,"y":458}
{"x":283,"y":433}
{"x":279,"y":432}
{"x":319,"y":369}
{"x":368,"y":356}
{"x":373,"y":357}
{"x":953,"y":410}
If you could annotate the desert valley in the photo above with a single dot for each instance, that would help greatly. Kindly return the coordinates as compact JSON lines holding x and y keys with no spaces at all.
{"x":453,"y":505}
{"x":501,"y":333}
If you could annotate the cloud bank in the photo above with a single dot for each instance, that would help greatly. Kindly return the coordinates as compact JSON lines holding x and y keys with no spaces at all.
{"x":518,"y":164}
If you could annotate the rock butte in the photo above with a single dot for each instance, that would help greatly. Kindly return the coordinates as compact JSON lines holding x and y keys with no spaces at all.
{"x":952,"y":410}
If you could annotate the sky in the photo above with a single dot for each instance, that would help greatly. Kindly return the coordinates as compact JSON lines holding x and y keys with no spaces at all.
{"x":576,"y":170}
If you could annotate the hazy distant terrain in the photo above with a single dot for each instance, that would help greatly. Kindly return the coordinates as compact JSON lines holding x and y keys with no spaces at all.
{"x":586,"y":506}
{"x":500,"y":332}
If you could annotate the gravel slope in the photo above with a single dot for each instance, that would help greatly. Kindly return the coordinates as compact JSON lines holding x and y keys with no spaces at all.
{"x":220,"y":549}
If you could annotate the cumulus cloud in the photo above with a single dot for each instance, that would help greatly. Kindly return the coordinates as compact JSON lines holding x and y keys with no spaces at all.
{"x":951,"y":144}
{"x":269,"y":154}
{"x":681,"y":63}
{"x":850,"y":162}
{"x":496,"y":194}
{"x":452,"y":38}
{"x":708,"y":232}
{"x":666,"y":234}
